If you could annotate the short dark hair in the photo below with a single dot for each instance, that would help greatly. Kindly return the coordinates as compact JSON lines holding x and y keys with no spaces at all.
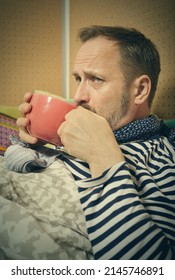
{"x":139,"y":55}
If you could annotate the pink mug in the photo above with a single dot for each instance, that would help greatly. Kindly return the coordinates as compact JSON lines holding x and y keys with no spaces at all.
{"x":47,"y":114}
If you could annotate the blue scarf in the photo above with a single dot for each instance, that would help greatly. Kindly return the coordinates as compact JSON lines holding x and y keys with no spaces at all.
{"x":144,"y":129}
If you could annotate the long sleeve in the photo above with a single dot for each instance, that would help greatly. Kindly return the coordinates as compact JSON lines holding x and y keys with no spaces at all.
{"x":20,"y":157}
{"x":130,"y":209}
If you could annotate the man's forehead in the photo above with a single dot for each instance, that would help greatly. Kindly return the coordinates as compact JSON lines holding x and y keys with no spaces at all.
{"x":86,"y":72}
{"x":90,"y":64}
{"x":96,"y":47}
{"x":96,"y":51}
{"x":96,"y":55}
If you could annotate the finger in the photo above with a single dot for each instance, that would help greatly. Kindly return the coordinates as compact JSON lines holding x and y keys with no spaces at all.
{"x":27,"y":96}
{"x":22,"y":123}
{"x":60,"y":129}
{"x":25,"y":108}
{"x":24,"y":136}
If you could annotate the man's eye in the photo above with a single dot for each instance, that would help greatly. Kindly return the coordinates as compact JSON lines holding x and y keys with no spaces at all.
{"x":96,"y":80}
{"x":77,"y":79}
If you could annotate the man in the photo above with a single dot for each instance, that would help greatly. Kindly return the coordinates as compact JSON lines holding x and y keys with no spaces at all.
{"x":124,"y":163}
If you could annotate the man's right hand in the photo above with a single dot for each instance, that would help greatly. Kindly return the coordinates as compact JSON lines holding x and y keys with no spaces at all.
{"x":23,"y":122}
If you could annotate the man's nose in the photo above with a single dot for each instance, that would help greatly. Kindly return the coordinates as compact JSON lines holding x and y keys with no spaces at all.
{"x":82,"y":94}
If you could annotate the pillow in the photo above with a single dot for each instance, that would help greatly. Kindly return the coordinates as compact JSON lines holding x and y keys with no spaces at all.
{"x":7,"y":127}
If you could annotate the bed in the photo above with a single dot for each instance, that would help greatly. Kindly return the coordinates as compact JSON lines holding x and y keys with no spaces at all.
{"x":40,"y":212}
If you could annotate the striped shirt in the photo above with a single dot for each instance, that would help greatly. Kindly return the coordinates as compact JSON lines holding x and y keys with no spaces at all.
{"x":130,"y":208}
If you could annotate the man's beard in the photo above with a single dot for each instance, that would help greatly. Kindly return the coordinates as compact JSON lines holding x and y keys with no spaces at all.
{"x":114,"y":117}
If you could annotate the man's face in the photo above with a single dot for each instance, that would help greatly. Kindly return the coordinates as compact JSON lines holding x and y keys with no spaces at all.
{"x":101,"y":83}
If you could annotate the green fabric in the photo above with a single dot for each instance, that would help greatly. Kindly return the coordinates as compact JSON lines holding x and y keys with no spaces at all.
{"x":11,"y":111}
{"x":170,"y":123}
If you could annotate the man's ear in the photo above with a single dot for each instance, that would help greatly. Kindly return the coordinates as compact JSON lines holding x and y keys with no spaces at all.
{"x":142,"y":89}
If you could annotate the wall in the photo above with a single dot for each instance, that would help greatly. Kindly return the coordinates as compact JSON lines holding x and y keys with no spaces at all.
{"x":155,"y":18}
{"x":31,"y":43}
{"x":30,"y":35}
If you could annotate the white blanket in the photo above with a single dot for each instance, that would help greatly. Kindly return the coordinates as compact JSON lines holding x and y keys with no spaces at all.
{"x":41,"y":216}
